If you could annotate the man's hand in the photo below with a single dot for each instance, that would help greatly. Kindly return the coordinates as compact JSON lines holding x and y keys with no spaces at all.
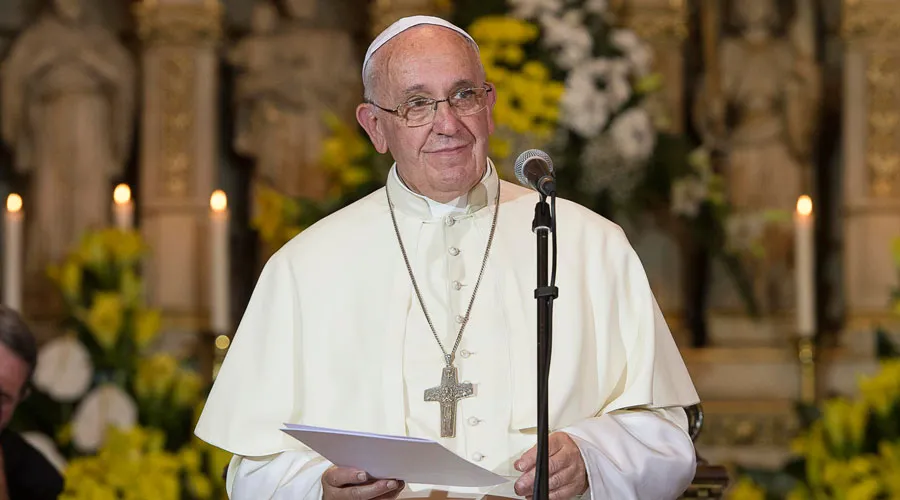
{"x":568,"y":476}
{"x":342,"y":483}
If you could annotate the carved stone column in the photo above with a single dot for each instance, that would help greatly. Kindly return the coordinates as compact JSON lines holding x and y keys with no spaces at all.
{"x":178,"y":161}
{"x":385,"y":12}
{"x":662,"y":23}
{"x":871,"y":142}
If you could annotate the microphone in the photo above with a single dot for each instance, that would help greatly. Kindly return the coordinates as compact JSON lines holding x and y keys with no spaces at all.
{"x":534,"y":169}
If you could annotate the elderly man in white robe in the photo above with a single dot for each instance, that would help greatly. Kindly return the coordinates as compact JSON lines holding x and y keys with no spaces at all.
{"x":353,"y":320}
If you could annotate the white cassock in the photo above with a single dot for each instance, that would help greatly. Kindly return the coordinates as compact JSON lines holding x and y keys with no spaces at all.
{"x":334,"y":336}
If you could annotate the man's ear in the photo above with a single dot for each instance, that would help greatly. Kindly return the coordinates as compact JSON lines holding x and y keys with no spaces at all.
{"x":492,"y":99}
{"x":365,"y":115}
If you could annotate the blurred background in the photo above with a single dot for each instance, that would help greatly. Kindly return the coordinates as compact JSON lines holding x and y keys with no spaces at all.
{"x":155,"y":153}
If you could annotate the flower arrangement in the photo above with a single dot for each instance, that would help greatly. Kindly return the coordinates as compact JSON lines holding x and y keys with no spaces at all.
{"x":849,"y":447}
{"x":100,"y":390}
{"x":353,"y":169}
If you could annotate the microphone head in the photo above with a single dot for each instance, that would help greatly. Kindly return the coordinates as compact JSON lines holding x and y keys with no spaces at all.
{"x":523,"y":159}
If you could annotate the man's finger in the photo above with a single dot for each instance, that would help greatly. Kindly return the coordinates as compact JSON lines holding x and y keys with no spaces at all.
{"x":555,"y":443}
{"x":525,"y":484}
{"x":340,"y":477}
{"x":375,"y":490}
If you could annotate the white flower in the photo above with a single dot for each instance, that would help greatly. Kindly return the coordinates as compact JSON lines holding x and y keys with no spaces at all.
{"x":568,"y":35}
{"x":595,"y":6}
{"x":687,"y":196}
{"x":534,"y":8}
{"x":634,"y":135}
{"x":585,"y":109}
{"x":638,"y":53}
{"x":105,"y":406}
{"x":47,"y":448}
{"x":618,"y":87}
{"x":64,"y":369}
{"x":743,"y":231}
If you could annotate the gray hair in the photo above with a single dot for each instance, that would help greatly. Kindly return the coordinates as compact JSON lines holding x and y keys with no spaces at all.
{"x":17,"y":337}
{"x":369,"y":73}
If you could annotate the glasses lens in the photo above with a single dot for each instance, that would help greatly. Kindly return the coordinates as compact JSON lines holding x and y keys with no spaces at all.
{"x":418,"y":113}
{"x":469,"y":101}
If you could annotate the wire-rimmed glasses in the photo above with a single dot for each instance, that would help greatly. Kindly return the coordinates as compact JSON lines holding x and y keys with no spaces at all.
{"x":420,"y":111}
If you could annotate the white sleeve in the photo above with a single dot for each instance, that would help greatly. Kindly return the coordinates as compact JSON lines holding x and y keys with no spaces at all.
{"x":642,"y":454}
{"x":294,"y":475}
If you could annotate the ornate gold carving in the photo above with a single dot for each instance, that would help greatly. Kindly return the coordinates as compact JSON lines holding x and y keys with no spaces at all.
{"x":178,"y":131}
{"x":657,"y":24}
{"x":179,"y":23}
{"x":875,"y":19}
{"x":748,"y":429}
{"x":883,"y":151}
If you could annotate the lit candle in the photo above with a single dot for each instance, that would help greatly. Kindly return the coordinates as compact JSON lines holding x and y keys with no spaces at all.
{"x":218,"y":241}
{"x":804,"y":266}
{"x":123,"y":207}
{"x":12,"y":253}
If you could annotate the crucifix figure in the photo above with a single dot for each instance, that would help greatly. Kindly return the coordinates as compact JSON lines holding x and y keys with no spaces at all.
{"x":448,"y":394}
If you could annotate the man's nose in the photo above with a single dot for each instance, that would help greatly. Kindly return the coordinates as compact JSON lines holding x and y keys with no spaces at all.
{"x":445,"y":120}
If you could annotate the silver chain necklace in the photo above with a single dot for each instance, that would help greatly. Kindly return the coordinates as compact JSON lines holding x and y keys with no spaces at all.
{"x":448,"y":358}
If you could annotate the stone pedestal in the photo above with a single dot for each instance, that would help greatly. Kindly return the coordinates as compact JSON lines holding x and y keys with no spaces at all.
{"x":871,"y":140}
{"x":178,"y":161}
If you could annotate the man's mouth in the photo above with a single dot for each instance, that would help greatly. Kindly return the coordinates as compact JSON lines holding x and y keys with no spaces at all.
{"x":448,"y":149}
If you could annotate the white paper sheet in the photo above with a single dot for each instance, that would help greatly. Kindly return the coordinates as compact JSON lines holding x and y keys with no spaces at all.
{"x":409,"y":459}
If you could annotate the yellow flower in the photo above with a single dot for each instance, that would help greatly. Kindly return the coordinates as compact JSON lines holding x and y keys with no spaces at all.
{"x":92,"y":251}
{"x":200,"y":486}
{"x":126,"y":247}
{"x":187,"y":388}
{"x":746,"y":489}
{"x":155,"y":376}
{"x":190,"y":459}
{"x":130,"y":286}
{"x":146,"y":326}
{"x":105,"y":318}
{"x":895,"y":251}
{"x":70,"y":279}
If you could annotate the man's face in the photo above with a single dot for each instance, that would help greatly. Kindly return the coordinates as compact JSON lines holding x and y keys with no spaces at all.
{"x":13,"y":376}
{"x":445,"y":158}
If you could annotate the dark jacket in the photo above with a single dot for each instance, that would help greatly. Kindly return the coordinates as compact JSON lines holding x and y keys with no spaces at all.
{"x":29,"y":476}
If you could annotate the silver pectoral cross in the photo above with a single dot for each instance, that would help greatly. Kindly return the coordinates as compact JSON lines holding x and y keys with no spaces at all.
{"x":448,"y":395}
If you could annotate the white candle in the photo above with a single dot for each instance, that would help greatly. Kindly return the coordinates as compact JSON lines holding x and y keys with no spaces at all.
{"x":12,"y":253}
{"x":218,"y":241}
{"x":804,"y":267}
{"x":123,"y":207}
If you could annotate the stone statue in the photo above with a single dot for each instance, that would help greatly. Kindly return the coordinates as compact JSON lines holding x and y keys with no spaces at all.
{"x":68,"y":91}
{"x":290,"y":77}
{"x":760,"y":112}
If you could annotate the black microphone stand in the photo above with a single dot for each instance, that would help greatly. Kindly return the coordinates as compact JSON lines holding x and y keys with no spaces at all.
{"x":545,"y":292}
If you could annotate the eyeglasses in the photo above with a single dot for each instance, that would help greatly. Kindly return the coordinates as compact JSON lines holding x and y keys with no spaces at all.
{"x":421,"y":110}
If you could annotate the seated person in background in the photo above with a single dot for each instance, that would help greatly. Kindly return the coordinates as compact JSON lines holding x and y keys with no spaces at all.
{"x":24,"y":473}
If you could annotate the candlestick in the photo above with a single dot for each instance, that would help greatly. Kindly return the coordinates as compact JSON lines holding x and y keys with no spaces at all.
{"x":218,"y":241}
{"x":123,"y":207}
{"x":12,"y":253}
{"x":804,"y":267}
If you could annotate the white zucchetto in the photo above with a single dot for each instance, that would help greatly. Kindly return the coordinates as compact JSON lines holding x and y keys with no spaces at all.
{"x":404,"y":24}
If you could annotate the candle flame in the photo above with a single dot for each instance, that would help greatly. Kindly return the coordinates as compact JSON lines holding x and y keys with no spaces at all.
{"x":122,"y":194}
{"x":804,"y":205}
{"x":218,"y":202}
{"x":13,"y":203}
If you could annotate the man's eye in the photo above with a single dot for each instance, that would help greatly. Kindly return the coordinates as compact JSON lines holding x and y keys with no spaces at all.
{"x":418,"y":103}
{"x":464,"y":94}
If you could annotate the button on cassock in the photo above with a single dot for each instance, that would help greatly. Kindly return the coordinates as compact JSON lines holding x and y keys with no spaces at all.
{"x":465,"y":354}
{"x":478,"y":457}
{"x":454,"y":251}
{"x":473,"y":421}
